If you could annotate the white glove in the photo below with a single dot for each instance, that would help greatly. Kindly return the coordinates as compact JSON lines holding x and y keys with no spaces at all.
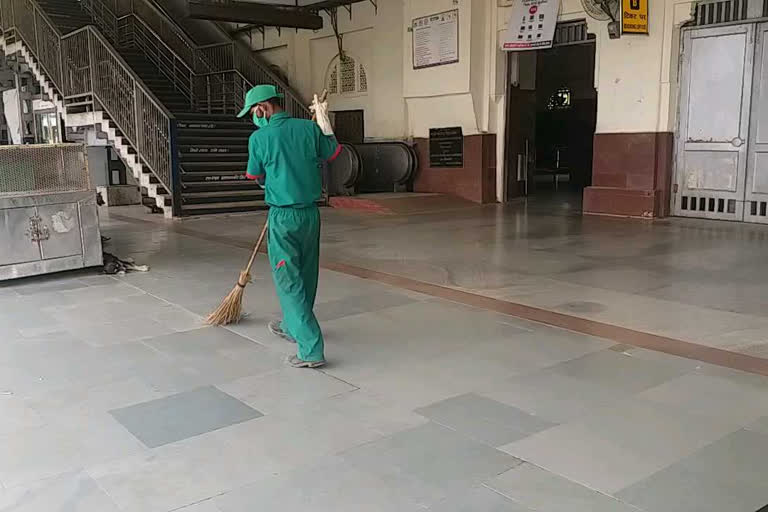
{"x":320,"y":109}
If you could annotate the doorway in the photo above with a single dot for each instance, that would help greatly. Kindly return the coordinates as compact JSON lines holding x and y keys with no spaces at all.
{"x":551,"y":118}
{"x":349,"y":126}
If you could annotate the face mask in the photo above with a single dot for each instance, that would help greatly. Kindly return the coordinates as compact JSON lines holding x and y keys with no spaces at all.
{"x":260,"y":122}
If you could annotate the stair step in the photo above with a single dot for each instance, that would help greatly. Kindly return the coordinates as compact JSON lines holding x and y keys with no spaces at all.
{"x":230,"y":133}
{"x":215,"y":176}
{"x":227,"y":207}
{"x":242,"y":158}
{"x":165,"y":88}
{"x":75,"y":13}
{"x":200,"y":117}
{"x":184,"y":140}
{"x":223,"y":196}
{"x":219,"y":193}
{"x":202,"y":124}
{"x":212,"y":166}
{"x":150,"y":203}
{"x":213,"y":149}
{"x":218,"y":186}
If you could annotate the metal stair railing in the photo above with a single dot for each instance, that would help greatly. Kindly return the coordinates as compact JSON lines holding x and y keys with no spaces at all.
{"x":128,"y":30}
{"x":84,"y":63}
{"x":237,"y":67}
{"x":223,"y":71}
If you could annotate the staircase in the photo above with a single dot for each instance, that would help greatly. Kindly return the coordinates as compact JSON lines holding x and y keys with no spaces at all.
{"x":212,"y":149}
{"x":66,"y":15}
{"x":171,"y":119}
{"x":213,"y":153}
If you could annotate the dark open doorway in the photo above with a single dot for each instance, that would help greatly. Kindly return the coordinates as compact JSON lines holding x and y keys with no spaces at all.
{"x":551,"y":117}
{"x":349,"y":126}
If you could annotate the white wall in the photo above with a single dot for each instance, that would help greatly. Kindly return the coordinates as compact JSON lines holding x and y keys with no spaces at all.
{"x":635,"y":75}
{"x":371,"y":37}
{"x":461,"y":94}
{"x":401,"y":102}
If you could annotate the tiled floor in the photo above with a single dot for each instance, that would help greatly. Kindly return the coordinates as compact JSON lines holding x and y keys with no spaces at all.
{"x":115,"y":398}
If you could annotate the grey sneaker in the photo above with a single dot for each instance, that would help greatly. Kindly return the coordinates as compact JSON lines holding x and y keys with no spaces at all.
{"x":300,"y":363}
{"x":276,"y":328}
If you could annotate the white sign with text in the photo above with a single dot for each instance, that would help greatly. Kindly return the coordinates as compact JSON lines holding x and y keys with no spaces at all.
{"x":436,"y":39}
{"x":531,"y":25}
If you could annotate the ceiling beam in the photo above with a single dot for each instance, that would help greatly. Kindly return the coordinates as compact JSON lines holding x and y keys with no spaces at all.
{"x":244,"y":28}
{"x":330,"y":4}
{"x":255,"y":13}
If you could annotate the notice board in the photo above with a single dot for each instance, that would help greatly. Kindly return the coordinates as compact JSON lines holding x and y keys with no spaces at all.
{"x":531,"y":25}
{"x":435,"y":39}
{"x":446,"y":147}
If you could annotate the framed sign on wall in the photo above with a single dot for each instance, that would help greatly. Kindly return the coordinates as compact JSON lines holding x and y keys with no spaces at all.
{"x":446,"y":147}
{"x":435,"y":39}
{"x":531,"y":25}
{"x":634,"y":16}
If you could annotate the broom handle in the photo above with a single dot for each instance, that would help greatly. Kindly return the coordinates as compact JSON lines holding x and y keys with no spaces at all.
{"x":257,"y":247}
{"x":266,"y":223}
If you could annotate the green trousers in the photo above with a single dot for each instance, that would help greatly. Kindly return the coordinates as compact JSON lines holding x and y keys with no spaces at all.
{"x":294,"y":254}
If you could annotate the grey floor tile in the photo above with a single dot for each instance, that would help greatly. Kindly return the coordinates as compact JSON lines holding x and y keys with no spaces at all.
{"x":729,"y":474}
{"x":81,"y":400}
{"x":761,"y":425}
{"x":178,"y":319}
{"x":75,"y":492}
{"x":619,"y":444}
{"x":58,"y":447}
{"x":357,"y":304}
{"x":543,"y":491}
{"x":21,"y":315}
{"x":483,"y":419}
{"x":741,"y":400}
{"x":622,"y":371}
{"x":163,"y":480}
{"x":44,"y":285}
{"x":184,"y":415}
{"x":435,"y":455}
{"x":552,"y":396}
{"x":218,"y":354}
{"x":189,"y":471}
{"x":106,"y":291}
{"x":114,"y":331}
{"x":285,"y":389}
{"x":478,"y":499}
{"x":203,"y":506}
{"x":331,"y":486}
{"x":16,"y":414}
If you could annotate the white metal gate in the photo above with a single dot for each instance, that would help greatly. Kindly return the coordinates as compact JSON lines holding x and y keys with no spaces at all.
{"x":756,"y":198}
{"x":714,"y":122}
{"x":722,"y":149}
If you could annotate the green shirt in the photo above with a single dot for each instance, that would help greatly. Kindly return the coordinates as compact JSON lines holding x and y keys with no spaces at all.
{"x":286,"y":158}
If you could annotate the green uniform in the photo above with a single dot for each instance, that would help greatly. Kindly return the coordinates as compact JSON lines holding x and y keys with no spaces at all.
{"x":286,"y":158}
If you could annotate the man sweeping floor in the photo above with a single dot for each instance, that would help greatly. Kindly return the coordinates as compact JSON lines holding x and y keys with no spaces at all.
{"x":285,"y":156}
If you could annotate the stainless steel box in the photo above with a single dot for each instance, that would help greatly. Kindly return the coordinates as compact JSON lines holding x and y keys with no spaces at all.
{"x":48,"y":214}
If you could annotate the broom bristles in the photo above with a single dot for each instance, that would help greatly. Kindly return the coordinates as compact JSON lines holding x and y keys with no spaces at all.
{"x":231,"y":307}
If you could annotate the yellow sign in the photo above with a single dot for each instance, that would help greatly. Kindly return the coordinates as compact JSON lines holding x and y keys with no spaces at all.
{"x":634,"y":16}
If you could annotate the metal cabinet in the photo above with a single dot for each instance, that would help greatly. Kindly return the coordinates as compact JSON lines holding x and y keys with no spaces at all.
{"x":42,"y":229}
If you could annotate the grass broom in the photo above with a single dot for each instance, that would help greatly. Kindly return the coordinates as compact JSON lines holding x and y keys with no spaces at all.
{"x":231,"y":308}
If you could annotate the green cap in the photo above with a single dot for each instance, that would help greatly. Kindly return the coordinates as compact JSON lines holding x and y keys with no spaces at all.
{"x":259,"y":94}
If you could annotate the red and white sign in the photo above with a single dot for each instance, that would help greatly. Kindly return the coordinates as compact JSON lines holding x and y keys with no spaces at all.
{"x":531,"y":25}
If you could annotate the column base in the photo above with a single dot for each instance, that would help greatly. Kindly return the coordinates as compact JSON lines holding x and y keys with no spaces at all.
{"x":623,"y":202}
{"x":631,"y":175}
